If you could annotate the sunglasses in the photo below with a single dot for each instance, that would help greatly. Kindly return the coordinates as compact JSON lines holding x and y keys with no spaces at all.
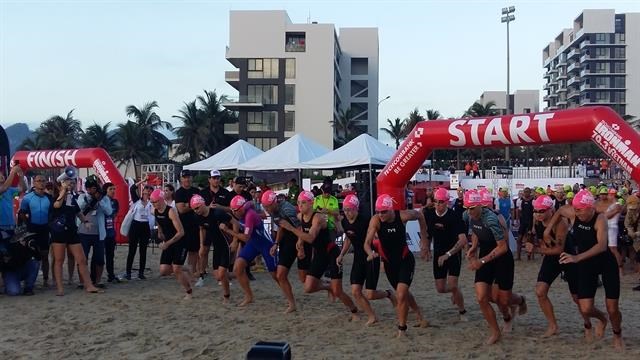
{"x":539,"y":211}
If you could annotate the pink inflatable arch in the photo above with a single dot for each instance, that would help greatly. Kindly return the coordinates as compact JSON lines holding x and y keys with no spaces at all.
{"x":95,"y":158}
{"x":599,"y":124}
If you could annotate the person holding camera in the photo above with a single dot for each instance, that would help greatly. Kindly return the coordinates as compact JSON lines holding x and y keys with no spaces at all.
{"x":19,"y":262}
{"x":64,"y":236}
{"x":92,"y":232}
{"x":109,"y":224}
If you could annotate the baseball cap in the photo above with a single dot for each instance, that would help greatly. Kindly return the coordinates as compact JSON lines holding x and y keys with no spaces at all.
{"x":186,"y":173}
{"x":306,"y":196}
{"x":567,"y":188}
{"x":539,"y":191}
{"x":613,"y":191}
{"x":196,"y":200}
{"x":384,"y":203}
{"x":570,"y":195}
{"x":583,"y":200}
{"x":472,"y":199}
{"x":603,"y":190}
{"x":214,"y":173}
{"x":237,"y":202}
{"x":441,"y":194}
{"x":268,"y":198}
{"x":351,"y":202}
{"x":543,"y":203}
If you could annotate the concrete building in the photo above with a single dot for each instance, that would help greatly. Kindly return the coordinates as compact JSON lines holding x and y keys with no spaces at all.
{"x":595,"y":62}
{"x":297,"y":78}
{"x":520,"y":102}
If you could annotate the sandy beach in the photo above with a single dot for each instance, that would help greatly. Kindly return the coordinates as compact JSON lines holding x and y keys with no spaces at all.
{"x":149,"y":320}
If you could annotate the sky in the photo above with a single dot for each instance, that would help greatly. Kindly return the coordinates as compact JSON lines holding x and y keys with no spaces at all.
{"x":98,"y":57}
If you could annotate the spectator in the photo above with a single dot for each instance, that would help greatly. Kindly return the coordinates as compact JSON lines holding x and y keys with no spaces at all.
{"x":7,"y":193}
{"x":467,"y":169}
{"x":35,"y":207}
{"x":140,"y":231}
{"x":409,"y":195}
{"x":476,"y":170}
{"x":169,"y":195}
{"x":109,"y":224}
{"x":19,"y":262}
{"x":327,"y":204}
{"x":294,"y":190}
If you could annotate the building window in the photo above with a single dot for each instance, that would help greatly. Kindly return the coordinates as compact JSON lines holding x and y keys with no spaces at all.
{"x":619,"y":67}
{"x":618,"y":27}
{"x":526,"y":110}
{"x":601,"y":38}
{"x":602,"y":53}
{"x":289,"y":94}
{"x":265,"y":94}
{"x":290,"y":68}
{"x":266,"y":121}
{"x":602,"y":96}
{"x":618,"y":82}
{"x":619,"y":53}
{"x":359,"y":88}
{"x":619,"y":97}
{"x":289,"y":121}
{"x":602,"y":67}
{"x":359,"y":66}
{"x":602,"y":82}
{"x":619,"y":38}
{"x":359,"y":110}
{"x":295,"y":42}
{"x":262,"y":69}
{"x":263,"y":143}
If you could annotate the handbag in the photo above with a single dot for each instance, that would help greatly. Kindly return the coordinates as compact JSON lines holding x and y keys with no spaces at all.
{"x":125,"y":227}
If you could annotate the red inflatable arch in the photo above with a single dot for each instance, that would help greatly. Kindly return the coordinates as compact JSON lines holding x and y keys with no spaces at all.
{"x":95,"y":158}
{"x":599,"y":124}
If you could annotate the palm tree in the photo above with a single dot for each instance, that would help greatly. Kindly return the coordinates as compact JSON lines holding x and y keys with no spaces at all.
{"x":99,"y":136}
{"x":215,"y":116}
{"x":129,"y":147}
{"x":433,"y":114}
{"x":479,"y":110}
{"x":194,"y":132}
{"x":150,"y":124}
{"x":33,"y":142}
{"x":395,"y":130}
{"x":59,"y":132}
{"x":344,"y":128}
{"x":411,"y":122}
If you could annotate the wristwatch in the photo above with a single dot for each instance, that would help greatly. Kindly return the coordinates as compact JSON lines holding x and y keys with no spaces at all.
{"x":482,"y":261}
{"x":449,"y":253}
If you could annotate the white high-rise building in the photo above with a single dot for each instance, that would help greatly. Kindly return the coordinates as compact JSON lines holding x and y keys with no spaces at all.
{"x":521,"y":101}
{"x":595,"y":62}
{"x":297,"y":78}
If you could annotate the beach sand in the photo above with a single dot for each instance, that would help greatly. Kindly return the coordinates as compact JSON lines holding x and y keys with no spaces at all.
{"x":149,"y":320}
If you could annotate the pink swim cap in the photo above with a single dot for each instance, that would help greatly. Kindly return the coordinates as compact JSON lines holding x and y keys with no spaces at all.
{"x":441,"y":194}
{"x":583,"y":200}
{"x":472,"y":199}
{"x":237,"y":202}
{"x":196,"y":200}
{"x":156,"y":195}
{"x":268,"y":198}
{"x":351,"y":202}
{"x":543,"y":203}
{"x":486,"y":197}
{"x":384,"y":203}
{"x":306,"y":196}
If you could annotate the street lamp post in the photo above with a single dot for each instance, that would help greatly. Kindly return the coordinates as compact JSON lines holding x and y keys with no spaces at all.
{"x":507,"y":17}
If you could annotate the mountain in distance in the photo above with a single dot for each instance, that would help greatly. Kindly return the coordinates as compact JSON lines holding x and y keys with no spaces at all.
{"x":17,"y":133}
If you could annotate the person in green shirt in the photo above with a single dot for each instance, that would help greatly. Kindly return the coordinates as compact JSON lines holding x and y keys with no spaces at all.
{"x":327,"y":204}
{"x":294,"y":190}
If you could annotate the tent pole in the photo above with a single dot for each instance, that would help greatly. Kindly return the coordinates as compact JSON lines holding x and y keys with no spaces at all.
{"x":371,"y":199}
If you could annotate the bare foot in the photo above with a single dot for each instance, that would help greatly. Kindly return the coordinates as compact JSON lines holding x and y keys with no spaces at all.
{"x":371,"y":321}
{"x":60,"y":293}
{"x":618,"y":344}
{"x":600,"y":327}
{"x":422,"y":323}
{"x":508,"y":326}
{"x":187,"y":297}
{"x":354,"y":317}
{"x":463,"y":318}
{"x":401,"y":334}
{"x":522,"y":308}
{"x":551,"y":331}
{"x":588,"y":335}
{"x":291,"y":308}
{"x":332,"y":298}
{"x":245,"y":302}
{"x":494,"y":338}
{"x":225,"y":300}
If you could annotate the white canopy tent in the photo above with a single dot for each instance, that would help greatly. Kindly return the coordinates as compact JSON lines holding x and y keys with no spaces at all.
{"x":291,"y":154}
{"x":228,"y":159}
{"x":361,"y":151}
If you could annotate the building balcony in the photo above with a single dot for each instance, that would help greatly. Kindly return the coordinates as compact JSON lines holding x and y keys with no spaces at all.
{"x":561,"y":102}
{"x":232,"y":129}
{"x":553,"y":107}
{"x":545,"y":98}
{"x":561,"y":90}
{"x":605,"y":73}
{"x":546,"y":75}
{"x":573,"y":67}
{"x":573,"y":94}
{"x":553,"y":95}
{"x":561,"y":76}
{"x":232,"y":78}
{"x":587,"y":102}
{"x":585,"y":87}
{"x":574,"y":53}
{"x":242,"y":102}
{"x":573,"y":80}
{"x":553,"y":71}
{"x":546,"y":61}
{"x":562,"y":62}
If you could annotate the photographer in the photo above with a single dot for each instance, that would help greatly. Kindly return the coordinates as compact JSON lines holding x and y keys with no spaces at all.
{"x":35,"y":208}
{"x":7,"y":193}
{"x":19,"y":261}
{"x":92,"y":232}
